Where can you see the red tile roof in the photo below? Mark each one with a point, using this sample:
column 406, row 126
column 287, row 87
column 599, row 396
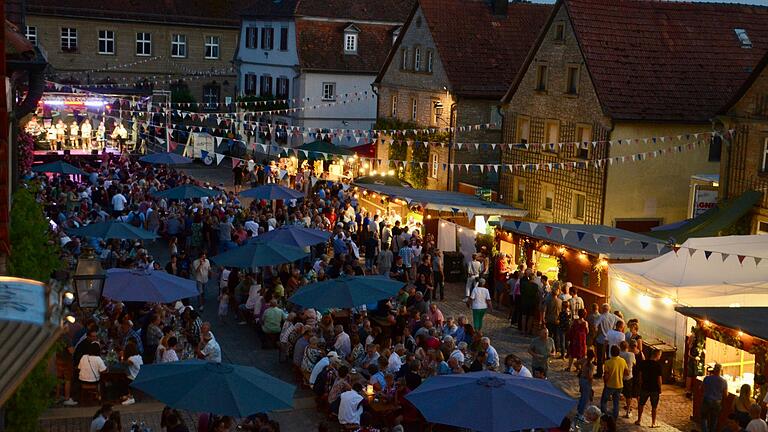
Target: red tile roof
column 220, row 13
column 392, row 11
column 320, row 46
column 482, row 52
column 667, row 61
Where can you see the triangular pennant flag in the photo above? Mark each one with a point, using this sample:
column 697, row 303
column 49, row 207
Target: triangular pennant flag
column 517, row 224
column 611, row 239
column 741, row 258
column 757, row 260
column 548, row 229
column 707, row 254
column 313, row 180
column 675, row 248
column 532, row 226
column 580, row 235
column 235, row 162
column 470, row 215
column 643, row 244
column 203, row 154
column 691, row 251
column 596, row 237
column 219, row 158
column 724, row 256
column 659, row 247
column 564, row 231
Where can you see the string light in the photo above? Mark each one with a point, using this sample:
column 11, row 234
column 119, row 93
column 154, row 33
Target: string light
column 707, row 323
column 667, row 301
column 644, row 302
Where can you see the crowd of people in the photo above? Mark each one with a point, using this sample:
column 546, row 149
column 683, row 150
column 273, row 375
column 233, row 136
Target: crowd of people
column 375, row 352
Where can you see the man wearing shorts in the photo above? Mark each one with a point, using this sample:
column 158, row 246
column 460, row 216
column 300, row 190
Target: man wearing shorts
column 650, row 385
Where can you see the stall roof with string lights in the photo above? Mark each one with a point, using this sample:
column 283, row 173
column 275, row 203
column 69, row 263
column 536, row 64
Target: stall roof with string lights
column 454, row 202
column 600, row 240
column 748, row 320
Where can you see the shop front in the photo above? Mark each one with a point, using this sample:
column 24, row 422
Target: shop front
column 734, row 338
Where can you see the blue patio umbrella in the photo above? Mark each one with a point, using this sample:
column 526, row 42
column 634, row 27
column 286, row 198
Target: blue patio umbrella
column 258, row 253
column 218, row 388
column 187, row 191
column 112, row 230
column 165, row 158
column 271, row 192
column 296, row 235
column 59, row 167
column 346, row 292
column 491, row 402
column 147, row 286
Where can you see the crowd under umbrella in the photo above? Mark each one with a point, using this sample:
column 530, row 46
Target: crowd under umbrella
column 112, row 230
column 346, row 292
column 58, row 167
column 271, row 192
column 486, row 398
column 296, row 236
column 258, row 253
column 217, row 388
column 186, row 191
column 147, row 286
column 165, row 158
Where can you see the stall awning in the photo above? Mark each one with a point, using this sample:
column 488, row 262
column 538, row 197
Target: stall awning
column 613, row 243
column 445, row 201
column 749, row 320
column 22, row 345
column 714, row 221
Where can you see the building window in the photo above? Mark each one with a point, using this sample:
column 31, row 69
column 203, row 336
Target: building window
column 541, row 78
column 572, row 82
column 404, row 59
column 765, row 156
column 68, row 39
column 552, row 133
column 437, row 111
column 266, row 86
column 106, row 42
column 523, row 130
column 518, row 191
column 251, row 37
column 282, row 87
column 179, row 46
column 283, row 38
column 143, row 44
column 417, row 59
column 430, row 60
column 560, row 31
column 31, row 33
column 393, row 109
column 414, row 109
column 249, row 86
column 762, row 227
column 435, row 165
column 579, row 205
column 329, row 91
column 584, row 139
column 211, row 96
column 350, row 43
column 267, row 35
column 547, row 197
column 212, row 47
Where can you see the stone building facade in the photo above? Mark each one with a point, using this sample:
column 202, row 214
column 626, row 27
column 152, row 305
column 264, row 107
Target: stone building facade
column 129, row 43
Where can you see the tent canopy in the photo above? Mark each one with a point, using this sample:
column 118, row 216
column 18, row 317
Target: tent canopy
column 613, row 243
column 750, row 320
column 445, row 201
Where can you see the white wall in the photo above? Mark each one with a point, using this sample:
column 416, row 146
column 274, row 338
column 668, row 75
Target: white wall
column 357, row 114
column 274, row 62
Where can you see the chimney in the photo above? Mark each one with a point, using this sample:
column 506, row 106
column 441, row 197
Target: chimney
column 500, row 7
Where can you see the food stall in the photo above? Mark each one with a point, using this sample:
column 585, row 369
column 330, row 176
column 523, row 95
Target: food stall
column 575, row 253
column 735, row 338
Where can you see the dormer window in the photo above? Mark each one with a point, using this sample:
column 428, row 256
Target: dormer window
column 350, row 39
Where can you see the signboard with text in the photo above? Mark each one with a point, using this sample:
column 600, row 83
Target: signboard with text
column 703, row 200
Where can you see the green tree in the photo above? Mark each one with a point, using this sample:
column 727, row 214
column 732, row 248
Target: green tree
column 34, row 255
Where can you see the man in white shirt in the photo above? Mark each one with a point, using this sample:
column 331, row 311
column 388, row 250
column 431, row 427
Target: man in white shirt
column 252, row 226
column 211, row 350
column 479, row 301
column 756, row 424
column 343, row 344
column 395, row 362
column 576, row 302
column 473, row 273
column 615, row 337
column 459, row 353
column 519, row 369
column 201, row 268
column 321, row 364
column 118, row 204
column 604, row 323
column 351, row 405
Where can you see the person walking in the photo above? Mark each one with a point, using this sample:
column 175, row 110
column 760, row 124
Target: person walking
column 649, row 374
column 586, row 368
column 437, row 274
column 577, row 340
column 541, row 349
column 479, row 301
column 615, row 371
column 715, row 390
column 473, row 274
column 201, row 270
column 604, row 323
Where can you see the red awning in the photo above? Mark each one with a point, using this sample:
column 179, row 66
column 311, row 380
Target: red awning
column 365, row 150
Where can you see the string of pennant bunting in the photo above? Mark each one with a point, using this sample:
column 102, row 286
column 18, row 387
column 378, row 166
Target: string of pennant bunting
column 115, row 67
column 613, row 240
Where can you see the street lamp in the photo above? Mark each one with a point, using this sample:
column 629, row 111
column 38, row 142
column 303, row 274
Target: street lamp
column 88, row 280
column 438, row 109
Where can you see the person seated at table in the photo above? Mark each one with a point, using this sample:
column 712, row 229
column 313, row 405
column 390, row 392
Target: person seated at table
column 351, row 405
column 358, row 350
column 169, row 353
column 133, row 362
column 312, row 354
column 91, row 364
column 127, row 334
column 376, row 373
column 168, row 332
column 209, row 348
column 340, row 385
column 478, row 364
column 371, row 357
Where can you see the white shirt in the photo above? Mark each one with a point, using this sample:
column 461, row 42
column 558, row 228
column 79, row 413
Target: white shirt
column 458, row 355
column 631, row 360
column 394, row 363
column 605, row 323
column 473, row 270
column 480, row 296
column 119, row 202
column 343, row 345
column 134, row 365
column 91, row 368
column 350, row 408
column 253, row 227
column 169, row 355
column 98, row 423
column 224, row 279
column 201, row 268
column 319, row 366
column 614, row 337
column 212, row 351
column 757, row 425
column 523, row 372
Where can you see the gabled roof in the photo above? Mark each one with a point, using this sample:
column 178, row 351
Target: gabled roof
column 664, row 60
column 389, row 11
column 221, row 13
column 481, row 52
column 320, row 46
column 762, row 66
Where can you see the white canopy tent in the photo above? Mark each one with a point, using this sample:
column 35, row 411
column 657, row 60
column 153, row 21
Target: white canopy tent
column 709, row 271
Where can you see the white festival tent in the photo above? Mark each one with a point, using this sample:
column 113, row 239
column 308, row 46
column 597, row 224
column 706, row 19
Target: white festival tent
column 728, row 271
